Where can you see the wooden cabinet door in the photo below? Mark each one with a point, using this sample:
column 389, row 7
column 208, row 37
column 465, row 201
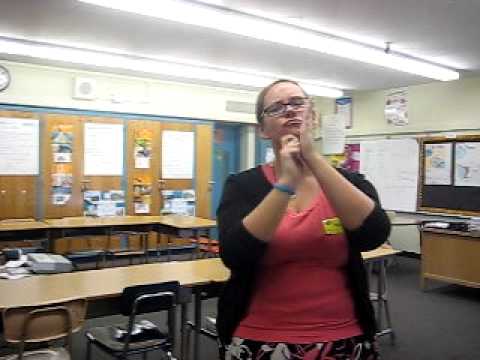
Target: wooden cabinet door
column 69, row 125
column 100, row 182
column 202, row 174
column 138, row 175
column 18, row 197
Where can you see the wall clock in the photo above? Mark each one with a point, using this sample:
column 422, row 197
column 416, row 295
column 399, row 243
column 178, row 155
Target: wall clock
column 4, row 78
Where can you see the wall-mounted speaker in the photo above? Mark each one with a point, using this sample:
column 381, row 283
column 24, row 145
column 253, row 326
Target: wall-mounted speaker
column 84, row 88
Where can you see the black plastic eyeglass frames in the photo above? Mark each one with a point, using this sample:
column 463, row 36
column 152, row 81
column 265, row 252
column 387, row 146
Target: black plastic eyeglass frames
column 280, row 108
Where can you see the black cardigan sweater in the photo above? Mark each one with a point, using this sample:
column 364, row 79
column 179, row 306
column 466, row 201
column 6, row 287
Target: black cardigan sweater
column 242, row 253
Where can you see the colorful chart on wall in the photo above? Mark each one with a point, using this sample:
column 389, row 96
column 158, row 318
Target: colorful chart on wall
column 104, row 203
column 467, row 164
column 438, row 164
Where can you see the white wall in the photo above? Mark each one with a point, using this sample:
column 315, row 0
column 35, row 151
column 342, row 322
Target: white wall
column 53, row 86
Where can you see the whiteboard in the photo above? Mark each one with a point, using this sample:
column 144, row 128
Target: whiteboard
column 19, row 146
column 392, row 167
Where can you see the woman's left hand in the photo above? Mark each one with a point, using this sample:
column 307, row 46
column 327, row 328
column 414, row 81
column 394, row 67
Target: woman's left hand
column 306, row 137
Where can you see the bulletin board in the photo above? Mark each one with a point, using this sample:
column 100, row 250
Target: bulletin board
column 449, row 178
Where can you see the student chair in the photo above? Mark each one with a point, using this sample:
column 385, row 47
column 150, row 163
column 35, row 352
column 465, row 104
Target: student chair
column 36, row 324
column 122, row 340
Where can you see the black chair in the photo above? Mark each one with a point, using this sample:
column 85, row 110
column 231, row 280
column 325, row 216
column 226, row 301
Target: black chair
column 122, row 340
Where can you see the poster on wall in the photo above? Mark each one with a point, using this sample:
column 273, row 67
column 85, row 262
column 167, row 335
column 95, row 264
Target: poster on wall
column 142, row 195
column 19, row 146
column 349, row 160
column 104, row 203
column 61, row 139
column 143, row 148
column 103, row 149
column 467, row 164
column 61, row 183
column 333, row 134
column 396, row 107
column 177, row 154
column 438, row 164
column 180, row 202
column 343, row 108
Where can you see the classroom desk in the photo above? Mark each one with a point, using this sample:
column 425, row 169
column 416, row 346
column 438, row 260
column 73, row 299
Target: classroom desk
column 106, row 226
column 380, row 256
column 404, row 221
column 177, row 225
column 102, row 288
column 450, row 256
column 108, row 283
column 23, row 230
column 186, row 227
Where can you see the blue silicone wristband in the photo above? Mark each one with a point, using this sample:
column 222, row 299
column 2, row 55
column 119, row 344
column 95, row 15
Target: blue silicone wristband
column 284, row 188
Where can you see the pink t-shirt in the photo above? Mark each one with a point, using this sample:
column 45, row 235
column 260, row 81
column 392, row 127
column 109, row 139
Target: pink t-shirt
column 301, row 295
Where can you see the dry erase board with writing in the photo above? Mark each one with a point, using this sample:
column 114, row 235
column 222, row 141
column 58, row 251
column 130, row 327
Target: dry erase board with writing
column 449, row 178
column 391, row 165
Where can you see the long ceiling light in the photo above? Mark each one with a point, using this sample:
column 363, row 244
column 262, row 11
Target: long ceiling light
column 263, row 29
column 151, row 65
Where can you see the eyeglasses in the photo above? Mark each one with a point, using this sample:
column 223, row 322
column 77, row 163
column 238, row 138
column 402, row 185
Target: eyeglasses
column 279, row 108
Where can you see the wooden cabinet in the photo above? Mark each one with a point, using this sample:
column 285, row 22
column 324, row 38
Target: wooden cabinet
column 450, row 256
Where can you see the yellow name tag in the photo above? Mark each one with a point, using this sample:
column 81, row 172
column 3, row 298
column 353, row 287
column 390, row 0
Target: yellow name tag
column 333, row 226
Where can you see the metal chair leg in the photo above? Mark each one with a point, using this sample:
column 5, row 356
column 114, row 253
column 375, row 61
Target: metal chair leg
column 89, row 350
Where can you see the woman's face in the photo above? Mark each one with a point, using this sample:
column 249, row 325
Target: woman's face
column 279, row 118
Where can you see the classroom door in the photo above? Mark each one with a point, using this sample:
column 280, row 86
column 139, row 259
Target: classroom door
column 226, row 158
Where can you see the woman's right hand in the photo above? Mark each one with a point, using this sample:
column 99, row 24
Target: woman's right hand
column 290, row 161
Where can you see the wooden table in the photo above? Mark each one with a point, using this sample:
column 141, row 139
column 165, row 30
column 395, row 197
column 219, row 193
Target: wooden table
column 450, row 256
column 102, row 288
column 106, row 283
column 185, row 227
column 106, row 226
column 23, row 230
column 380, row 256
column 177, row 225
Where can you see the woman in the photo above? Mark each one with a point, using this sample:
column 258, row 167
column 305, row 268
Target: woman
column 291, row 233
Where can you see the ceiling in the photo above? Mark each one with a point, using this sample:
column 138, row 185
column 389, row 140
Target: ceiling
column 442, row 31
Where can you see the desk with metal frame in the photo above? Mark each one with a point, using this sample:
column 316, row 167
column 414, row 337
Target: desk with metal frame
column 380, row 256
column 106, row 226
column 102, row 288
column 12, row 231
column 185, row 227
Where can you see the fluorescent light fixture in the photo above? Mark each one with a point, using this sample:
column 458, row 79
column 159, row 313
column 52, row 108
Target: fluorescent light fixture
column 281, row 33
column 152, row 65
